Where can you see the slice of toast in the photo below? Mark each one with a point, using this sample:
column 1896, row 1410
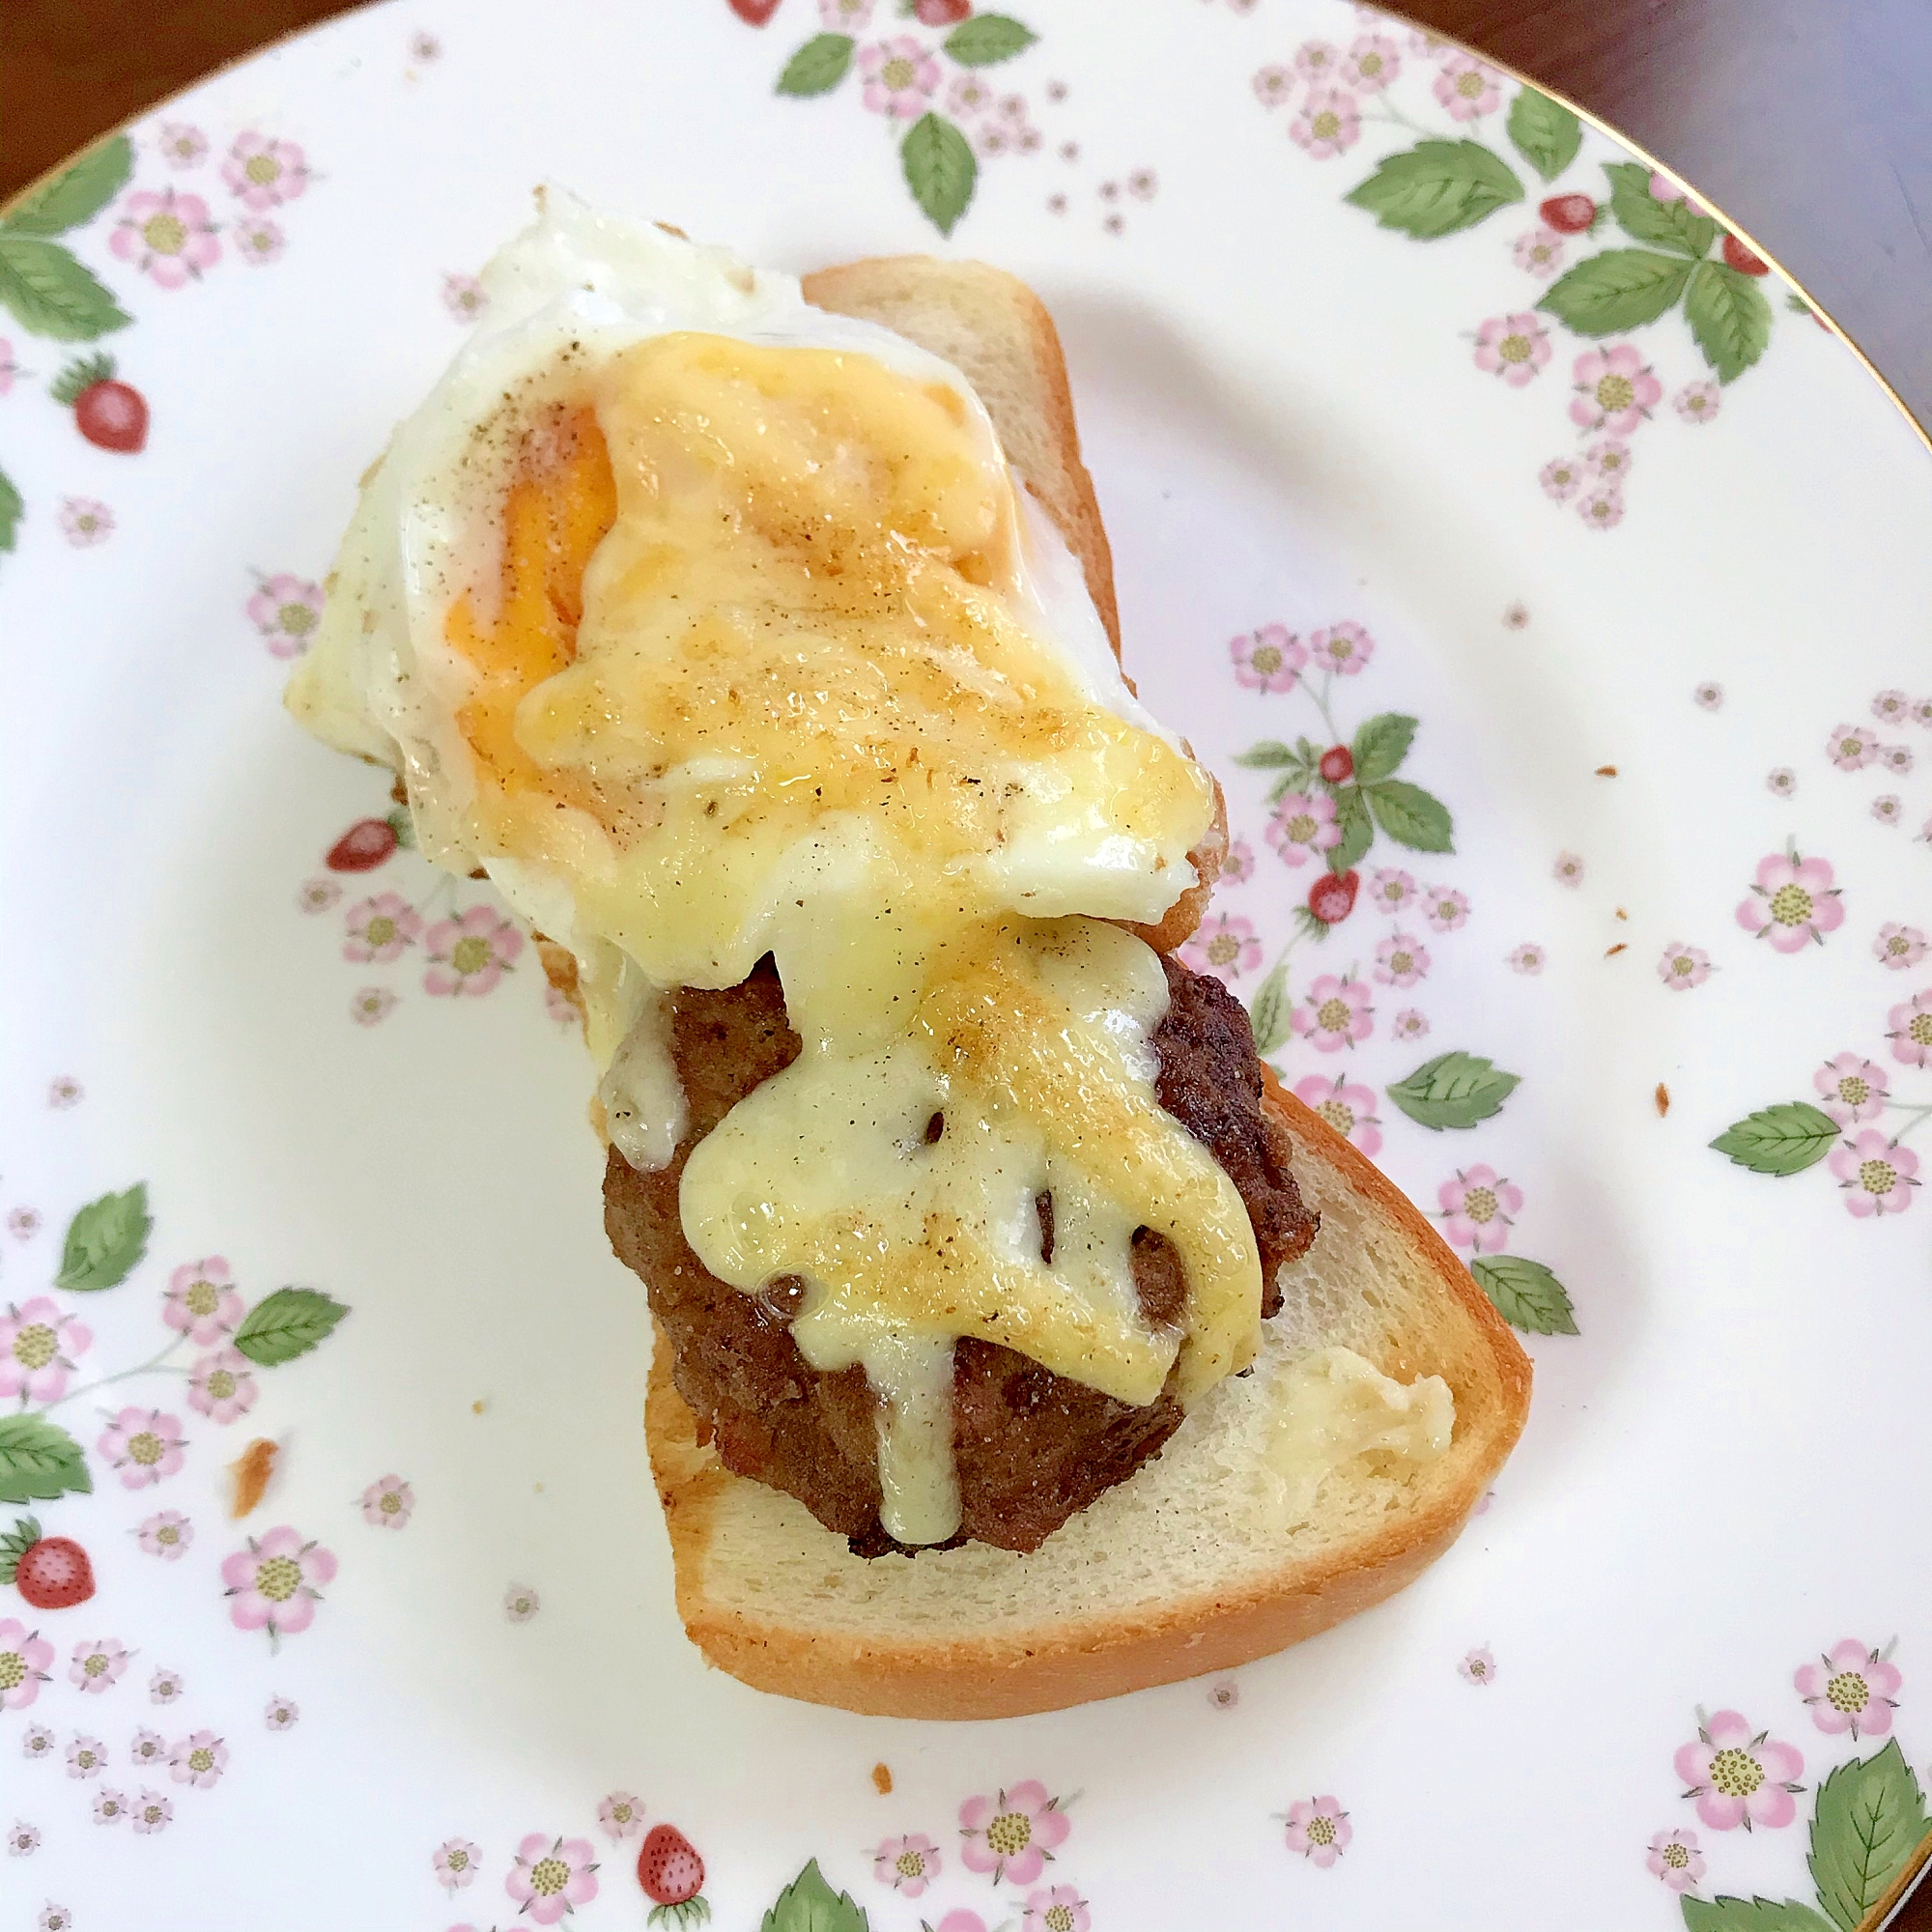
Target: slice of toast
column 1197, row 1563
column 1204, row 1558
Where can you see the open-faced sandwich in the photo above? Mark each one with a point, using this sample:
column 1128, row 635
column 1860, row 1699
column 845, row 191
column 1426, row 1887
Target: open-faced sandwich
column 1020, row 1341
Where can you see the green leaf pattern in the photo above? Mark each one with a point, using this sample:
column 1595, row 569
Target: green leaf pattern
column 1729, row 316
column 817, row 66
column 1454, row 1090
column 1438, row 189
column 1870, row 1818
column 1659, row 224
column 40, row 1460
column 809, row 1904
column 1782, row 1139
column 1619, row 290
column 43, row 286
column 1545, row 133
column 287, row 1323
column 106, row 1242
column 940, row 169
column 77, row 194
column 1526, row 1295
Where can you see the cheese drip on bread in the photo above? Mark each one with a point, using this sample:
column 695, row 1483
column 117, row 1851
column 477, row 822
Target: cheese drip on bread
column 761, row 650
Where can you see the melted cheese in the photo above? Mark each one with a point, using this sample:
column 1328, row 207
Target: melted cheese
column 767, row 656
column 1336, row 1406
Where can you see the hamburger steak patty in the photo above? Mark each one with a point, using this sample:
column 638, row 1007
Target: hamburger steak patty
column 1030, row 1446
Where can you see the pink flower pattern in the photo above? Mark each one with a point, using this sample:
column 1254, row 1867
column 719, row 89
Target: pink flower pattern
column 275, row 1583
column 381, row 928
column 151, row 1811
column 1539, row 252
column 1343, row 648
column 621, row 1815
column 1898, row 947
column 1467, row 89
column 1374, row 61
column 1478, row 1207
column 1267, row 660
column 1739, row 1776
column 1058, row 1908
column 899, row 77
column 454, row 1863
column 1408, row 1024
column 221, row 1387
column 472, row 952
column 1347, row 1107
column 1794, row 903
column 262, row 173
column 1478, row 1668
column 166, row 1534
column 1851, row 747
column 1330, row 123
column 1273, row 85
column 1318, row 1829
column 1316, row 61
column 258, row 240
column 24, row 1657
column 463, row 298
column 1561, row 478
column 168, row 236
column 202, row 1301
column 388, row 1503
column 1401, row 960
column 1012, row 1835
column 1615, row 391
column 95, row 1668
column 370, row 1006
column 1528, row 958
column 1336, row 1013
column 551, row 1876
column 1698, row 403
column 1390, row 888
column 180, row 145
column 907, row 1864
column 1850, row 1689
column 40, row 1343
column 1681, row 967
column 1445, row 908
column 1875, row 1175
column 84, row 521
column 1853, row 1089
column 198, row 1760
column 1675, row 1858
column 1909, row 1025
column 285, row 610
column 1303, row 823
column 143, row 1445
column 1224, row 946
column 1602, row 508
column 1515, row 346
column 1239, row 864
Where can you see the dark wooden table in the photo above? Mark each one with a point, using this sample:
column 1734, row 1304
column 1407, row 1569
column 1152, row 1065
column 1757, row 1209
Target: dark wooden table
column 1807, row 122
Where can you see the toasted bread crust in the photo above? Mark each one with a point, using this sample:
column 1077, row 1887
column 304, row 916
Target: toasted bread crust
column 976, row 1674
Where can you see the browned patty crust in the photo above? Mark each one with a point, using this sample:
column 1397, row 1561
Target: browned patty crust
column 1031, row 1447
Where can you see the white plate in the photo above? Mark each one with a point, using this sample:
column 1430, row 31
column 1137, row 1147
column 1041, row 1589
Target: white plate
column 1297, row 419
